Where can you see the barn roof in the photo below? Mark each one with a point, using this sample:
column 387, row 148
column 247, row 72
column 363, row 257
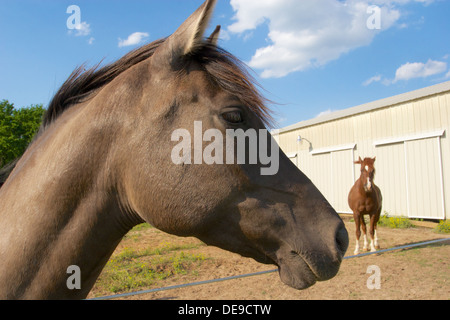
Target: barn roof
column 405, row 97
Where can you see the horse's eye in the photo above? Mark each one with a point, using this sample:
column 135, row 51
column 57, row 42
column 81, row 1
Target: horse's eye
column 234, row 117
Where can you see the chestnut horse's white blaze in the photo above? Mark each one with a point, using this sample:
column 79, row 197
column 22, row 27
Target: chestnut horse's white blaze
column 101, row 164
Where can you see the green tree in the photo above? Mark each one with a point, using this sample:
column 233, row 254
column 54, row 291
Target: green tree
column 17, row 129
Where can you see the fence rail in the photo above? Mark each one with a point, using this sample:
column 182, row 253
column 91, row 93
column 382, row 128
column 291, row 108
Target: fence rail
column 130, row 294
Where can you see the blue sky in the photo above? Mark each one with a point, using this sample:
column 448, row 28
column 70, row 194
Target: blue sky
column 310, row 56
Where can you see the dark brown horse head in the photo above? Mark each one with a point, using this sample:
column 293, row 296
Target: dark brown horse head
column 173, row 134
column 367, row 172
column 202, row 95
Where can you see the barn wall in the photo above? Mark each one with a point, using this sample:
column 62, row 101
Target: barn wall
column 409, row 139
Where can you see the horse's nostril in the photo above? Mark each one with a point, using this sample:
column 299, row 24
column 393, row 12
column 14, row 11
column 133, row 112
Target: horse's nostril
column 342, row 240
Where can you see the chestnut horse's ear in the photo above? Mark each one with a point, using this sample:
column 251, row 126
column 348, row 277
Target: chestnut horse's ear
column 214, row 37
column 187, row 38
column 360, row 161
column 374, row 159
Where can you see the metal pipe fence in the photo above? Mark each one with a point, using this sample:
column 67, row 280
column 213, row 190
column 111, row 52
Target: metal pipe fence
column 130, row 294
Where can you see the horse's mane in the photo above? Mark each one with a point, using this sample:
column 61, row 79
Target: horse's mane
column 82, row 83
column 225, row 69
column 228, row 72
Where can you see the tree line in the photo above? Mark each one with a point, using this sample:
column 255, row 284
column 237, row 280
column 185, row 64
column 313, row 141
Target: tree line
column 17, row 129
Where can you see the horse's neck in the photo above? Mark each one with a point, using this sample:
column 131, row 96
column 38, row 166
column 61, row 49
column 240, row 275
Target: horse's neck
column 36, row 254
column 362, row 191
column 55, row 214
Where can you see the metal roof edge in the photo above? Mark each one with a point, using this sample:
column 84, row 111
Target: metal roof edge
column 378, row 104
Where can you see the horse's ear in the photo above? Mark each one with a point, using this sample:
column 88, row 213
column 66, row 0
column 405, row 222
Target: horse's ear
column 187, row 38
column 360, row 161
column 214, row 37
column 374, row 159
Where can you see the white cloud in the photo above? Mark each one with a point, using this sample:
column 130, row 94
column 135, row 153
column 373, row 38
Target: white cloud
column 281, row 120
column 419, row 70
column 376, row 78
column 83, row 29
column 425, row 2
column 447, row 76
column 133, row 39
column 412, row 70
column 325, row 113
column 400, row 2
column 310, row 33
column 91, row 40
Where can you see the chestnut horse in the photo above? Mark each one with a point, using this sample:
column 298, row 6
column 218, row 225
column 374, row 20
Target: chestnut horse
column 102, row 163
column 365, row 199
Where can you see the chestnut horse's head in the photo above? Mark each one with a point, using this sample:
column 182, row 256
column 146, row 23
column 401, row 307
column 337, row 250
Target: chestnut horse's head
column 367, row 172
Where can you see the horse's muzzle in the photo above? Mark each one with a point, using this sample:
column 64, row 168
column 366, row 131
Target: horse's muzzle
column 301, row 270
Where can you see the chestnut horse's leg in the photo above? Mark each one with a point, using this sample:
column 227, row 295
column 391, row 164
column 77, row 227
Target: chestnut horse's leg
column 364, row 229
column 373, row 232
column 377, row 246
column 376, row 218
column 356, row 217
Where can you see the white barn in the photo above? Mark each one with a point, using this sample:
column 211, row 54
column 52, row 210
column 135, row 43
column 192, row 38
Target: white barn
column 407, row 133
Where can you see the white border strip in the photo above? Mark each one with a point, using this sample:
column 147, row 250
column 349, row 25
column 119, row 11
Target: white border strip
column 333, row 149
column 291, row 155
column 441, row 171
column 413, row 137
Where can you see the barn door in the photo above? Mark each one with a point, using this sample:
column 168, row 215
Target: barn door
column 342, row 179
column 410, row 172
column 332, row 171
column 424, row 174
column 320, row 174
column 390, row 177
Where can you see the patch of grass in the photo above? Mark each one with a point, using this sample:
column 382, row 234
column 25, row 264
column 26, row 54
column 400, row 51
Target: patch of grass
column 141, row 227
column 135, row 233
column 135, row 267
column 443, row 227
column 132, row 270
column 395, row 222
column 391, row 222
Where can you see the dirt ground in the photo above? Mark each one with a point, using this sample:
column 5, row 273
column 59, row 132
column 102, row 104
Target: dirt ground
column 420, row 273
